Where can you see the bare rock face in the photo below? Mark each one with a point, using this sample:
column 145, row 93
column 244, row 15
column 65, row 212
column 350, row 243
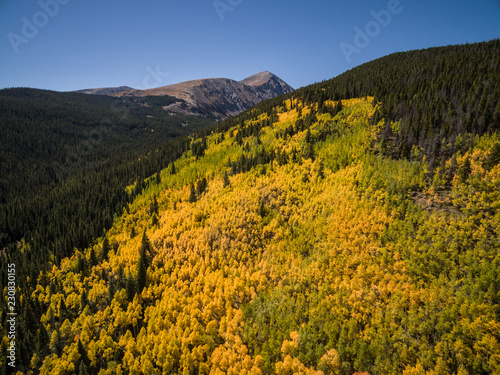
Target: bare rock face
column 268, row 84
column 217, row 97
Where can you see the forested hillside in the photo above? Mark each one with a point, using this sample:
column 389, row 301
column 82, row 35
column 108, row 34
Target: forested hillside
column 66, row 159
column 288, row 247
column 350, row 226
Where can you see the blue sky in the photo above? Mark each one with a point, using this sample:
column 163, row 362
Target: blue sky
column 74, row 44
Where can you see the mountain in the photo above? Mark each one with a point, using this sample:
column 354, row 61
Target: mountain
column 351, row 226
column 218, row 98
column 105, row 90
column 268, row 84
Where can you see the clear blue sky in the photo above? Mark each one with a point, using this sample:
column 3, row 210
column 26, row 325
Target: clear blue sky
column 75, row 44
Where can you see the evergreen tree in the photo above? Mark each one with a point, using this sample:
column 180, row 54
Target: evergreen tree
column 83, row 300
column 105, row 248
column 42, row 340
column 494, row 156
column 308, row 135
column 321, row 170
column 82, row 369
column 145, row 248
column 465, row 170
column 154, row 220
column 84, row 359
column 141, row 272
column 172, row 169
column 93, row 258
column 63, row 310
column 157, row 178
column 226, row 181
column 201, row 186
column 153, row 209
column 131, row 288
column 192, row 194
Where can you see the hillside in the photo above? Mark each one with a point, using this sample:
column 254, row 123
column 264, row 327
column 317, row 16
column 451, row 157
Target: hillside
column 311, row 234
column 289, row 246
column 66, row 159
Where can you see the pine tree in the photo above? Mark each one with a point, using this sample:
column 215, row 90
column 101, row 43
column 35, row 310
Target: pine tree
column 338, row 107
column 465, row 170
column 42, row 340
column 105, row 248
column 82, row 369
column 93, row 259
column 172, row 169
column 494, row 157
column 192, row 194
column 83, row 300
column 84, row 359
column 63, row 310
column 141, row 272
column 201, row 186
column 131, row 288
column 153, row 209
column 308, row 135
column 145, row 248
column 226, row 181
column 321, row 170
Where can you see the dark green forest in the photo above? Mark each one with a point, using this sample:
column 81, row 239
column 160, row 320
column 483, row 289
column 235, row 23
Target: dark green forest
column 72, row 154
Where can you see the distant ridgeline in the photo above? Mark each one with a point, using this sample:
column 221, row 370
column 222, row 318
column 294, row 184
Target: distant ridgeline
column 350, row 226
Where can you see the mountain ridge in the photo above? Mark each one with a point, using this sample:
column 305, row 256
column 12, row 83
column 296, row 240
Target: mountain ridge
column 104, row 90
column 219, row 98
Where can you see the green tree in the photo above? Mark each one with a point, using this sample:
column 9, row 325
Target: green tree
column 172, row 169
column 105, row 248
column 93, row 258
column 465, row 170
column 131, row 288
column 84, row 359
column 141, row 273
column 226, row 181
column 153, row 209
column 192, row 194
column 83, row 300
column 494, row 156
column 201, row 186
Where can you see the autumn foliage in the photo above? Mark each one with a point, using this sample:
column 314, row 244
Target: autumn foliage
column 289, row 244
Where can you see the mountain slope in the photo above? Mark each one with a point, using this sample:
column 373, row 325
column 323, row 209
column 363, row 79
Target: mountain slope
column 218, row 97
column 283, row 247
column 69, row 150
column 299, row 237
